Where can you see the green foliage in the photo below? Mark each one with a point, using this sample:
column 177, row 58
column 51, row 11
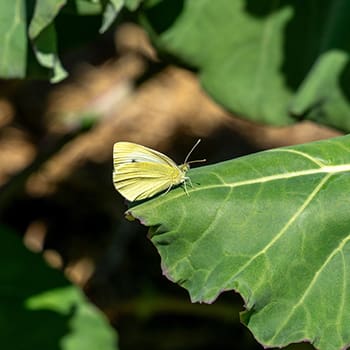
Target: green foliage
column 29, row 37
column 273, row 226
column 39, row 309
column 270, row 61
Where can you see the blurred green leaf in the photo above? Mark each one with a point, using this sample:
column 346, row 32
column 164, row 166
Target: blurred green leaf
column 33, row 24
column 273, row 226
column 269, row 61
column 43, row 35
column 320, row 96
column 13, row 41
column 111, row 11
column 132, row 5
column 39, row 309
column 45, row 12
column 86, row 7
column 45, row 49
column 85, row 320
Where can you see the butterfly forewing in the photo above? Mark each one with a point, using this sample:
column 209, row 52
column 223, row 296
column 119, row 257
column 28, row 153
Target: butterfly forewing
column 128, row 152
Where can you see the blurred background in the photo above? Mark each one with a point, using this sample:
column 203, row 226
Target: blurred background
column 57, row 193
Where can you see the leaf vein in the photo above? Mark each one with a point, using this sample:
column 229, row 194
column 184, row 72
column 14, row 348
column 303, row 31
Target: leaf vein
column 312, row 283
column 208, row 229
column 305, row 155
column 284, row 229
column 342, row 298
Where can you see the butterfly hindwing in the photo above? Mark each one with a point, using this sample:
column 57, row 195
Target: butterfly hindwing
column 138, row 188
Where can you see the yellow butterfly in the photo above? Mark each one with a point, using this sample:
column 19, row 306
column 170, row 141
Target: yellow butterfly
column 141, row 172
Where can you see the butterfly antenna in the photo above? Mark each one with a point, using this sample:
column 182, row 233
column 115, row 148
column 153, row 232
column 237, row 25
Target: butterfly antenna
column 192, row 149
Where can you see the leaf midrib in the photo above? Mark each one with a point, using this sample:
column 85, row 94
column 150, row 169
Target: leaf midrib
column 326, row 169
column 330, row 169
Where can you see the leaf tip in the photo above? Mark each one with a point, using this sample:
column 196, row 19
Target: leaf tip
column 130, row 216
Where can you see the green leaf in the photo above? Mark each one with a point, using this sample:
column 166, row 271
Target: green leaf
column 43, row 35
column 86, row 7
column 111, row 11
column 320, row 96
column 44, row 13
column 13, row 42
column 83, row 323
column 132, row 5
column 269, row 61
column 45, row 49
column 41, row 306
column 273, row 226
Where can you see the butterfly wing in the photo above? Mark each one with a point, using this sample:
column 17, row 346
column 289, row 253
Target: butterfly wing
column 128, row 152
column 141, row 181
column 140, row 172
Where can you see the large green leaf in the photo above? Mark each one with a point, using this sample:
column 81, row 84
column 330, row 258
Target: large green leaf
column 269, row 61
column 39, row 309
column 273, row 226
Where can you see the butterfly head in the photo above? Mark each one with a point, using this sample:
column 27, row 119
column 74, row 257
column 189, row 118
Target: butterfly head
column 184, row 167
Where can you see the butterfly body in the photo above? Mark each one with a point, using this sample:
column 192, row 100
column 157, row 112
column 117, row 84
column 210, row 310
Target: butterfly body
column 141, row 172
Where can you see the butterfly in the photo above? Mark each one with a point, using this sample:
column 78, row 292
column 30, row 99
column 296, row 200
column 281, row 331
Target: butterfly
column 141, row 172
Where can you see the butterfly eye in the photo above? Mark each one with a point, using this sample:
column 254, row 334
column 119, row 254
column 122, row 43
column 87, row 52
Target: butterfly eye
column 184, row 167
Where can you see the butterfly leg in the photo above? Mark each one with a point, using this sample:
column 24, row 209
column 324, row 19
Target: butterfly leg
column 185, row 186
column 189, row 180
column 168, row 189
